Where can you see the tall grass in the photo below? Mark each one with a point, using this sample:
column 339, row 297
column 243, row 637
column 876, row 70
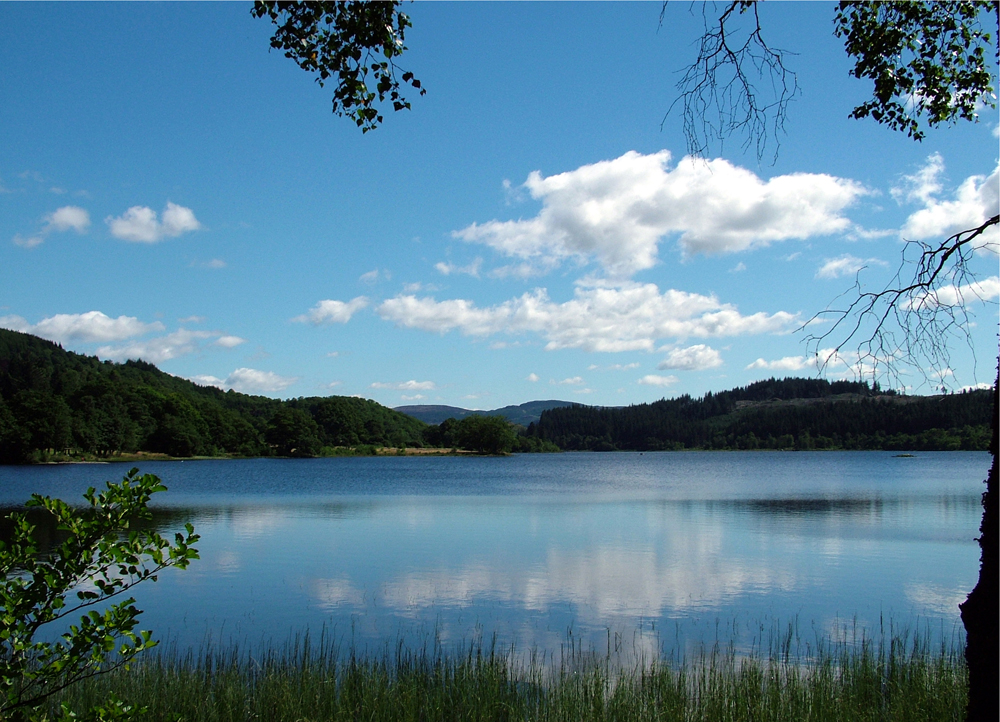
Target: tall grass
column 899, row 678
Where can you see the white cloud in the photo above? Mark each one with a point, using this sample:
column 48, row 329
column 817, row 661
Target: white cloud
column 613, row 367
column 139, row 223
column 738, row 268
column 92, row 326
column 374, row 275
column 411, row 385
column 66, row 218
column 574, row 381
column 848, row 363
column 692, row 358
column 923, row 185
column 448, row 269
column 157, row 350
column 192, row 319
column 61, row 219
column 975, row 200
column 333, row 311
column 253, row 381
column 532, row 377
column 845, row 265
column 655, row 380
column 625, row 318
column 249, row 381
column 414, row 397
column 214, row 263
column 617, row 211
column 29, row 242
column 984, row 290
column 788, row 363
column 229, row 341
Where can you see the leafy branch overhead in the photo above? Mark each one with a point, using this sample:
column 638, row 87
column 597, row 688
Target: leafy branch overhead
column 354, row 44
column 927, row 60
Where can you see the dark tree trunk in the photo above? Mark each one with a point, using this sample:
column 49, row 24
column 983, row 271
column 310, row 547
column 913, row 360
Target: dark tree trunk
column 981, row 611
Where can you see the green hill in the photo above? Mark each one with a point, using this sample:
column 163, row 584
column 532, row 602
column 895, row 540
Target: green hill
column 779, row 414
column 54, row 401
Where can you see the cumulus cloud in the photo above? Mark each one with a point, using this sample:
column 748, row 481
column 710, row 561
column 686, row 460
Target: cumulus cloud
column 447, row 269
column 229, row 341
column 411, row 385
column 617, row 211
column 332, row 311
column 951, row 295
column 248, row 381
column 613, row 367
column 29, row 242
column 60, row 220
column 375, row 275
column 787, row 363
column 532, row 377
column 139, row 224
column 692, row 358
column 975, row 200
column 845, row 265
column 599, row 318
column 92, row 326
column 656, row 380
column 157, row 350
column 66, row 218
column 843, row 362
column 574, row 381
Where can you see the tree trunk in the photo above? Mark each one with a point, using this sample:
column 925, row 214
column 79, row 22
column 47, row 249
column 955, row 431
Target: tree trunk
column 981, row 611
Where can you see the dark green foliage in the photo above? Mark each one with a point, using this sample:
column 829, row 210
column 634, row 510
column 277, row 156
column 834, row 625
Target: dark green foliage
column 57, row 402
column 102, row 554
column 925, row 59
column 787, row 414
column 482, row 434
column 347, row 421
column 485, row 434
column 345, row 42
column 292, row 432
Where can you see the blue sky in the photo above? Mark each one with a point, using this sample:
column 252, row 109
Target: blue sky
column 172, row 190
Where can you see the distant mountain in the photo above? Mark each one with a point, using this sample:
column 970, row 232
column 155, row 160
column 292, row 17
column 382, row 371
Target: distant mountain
column 523, row 414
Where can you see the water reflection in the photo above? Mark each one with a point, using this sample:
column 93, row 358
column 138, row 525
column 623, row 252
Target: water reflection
column 519, row 551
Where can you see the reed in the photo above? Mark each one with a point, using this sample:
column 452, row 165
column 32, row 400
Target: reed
column 903, row 677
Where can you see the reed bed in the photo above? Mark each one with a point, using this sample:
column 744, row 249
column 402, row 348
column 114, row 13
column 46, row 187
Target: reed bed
column 896, row 679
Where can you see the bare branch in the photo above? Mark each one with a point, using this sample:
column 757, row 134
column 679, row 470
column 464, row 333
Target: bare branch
column 908, row 323
column 719, row 95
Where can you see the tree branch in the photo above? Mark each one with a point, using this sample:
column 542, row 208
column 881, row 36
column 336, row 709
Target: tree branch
column 908, row 323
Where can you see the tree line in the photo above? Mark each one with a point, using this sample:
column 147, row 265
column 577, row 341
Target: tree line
column 56, row 403
column 790, row 413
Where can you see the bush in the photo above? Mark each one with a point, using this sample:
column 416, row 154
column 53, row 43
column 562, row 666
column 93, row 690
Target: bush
column 101, row 557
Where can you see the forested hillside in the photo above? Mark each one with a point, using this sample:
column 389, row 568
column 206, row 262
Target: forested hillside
column 56, row 401
column 779, row 414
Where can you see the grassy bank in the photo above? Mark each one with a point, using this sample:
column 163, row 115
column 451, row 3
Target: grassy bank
column 904, row 679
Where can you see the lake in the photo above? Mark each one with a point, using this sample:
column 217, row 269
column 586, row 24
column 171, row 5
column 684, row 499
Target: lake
column 651, row 553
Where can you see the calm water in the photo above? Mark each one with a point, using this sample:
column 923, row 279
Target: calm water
column 657, row 550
